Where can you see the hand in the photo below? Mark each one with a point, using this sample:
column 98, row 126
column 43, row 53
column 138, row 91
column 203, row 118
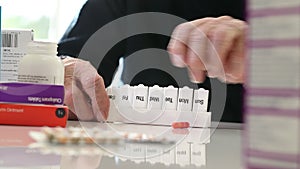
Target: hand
column 85, row 93
column 213, row 47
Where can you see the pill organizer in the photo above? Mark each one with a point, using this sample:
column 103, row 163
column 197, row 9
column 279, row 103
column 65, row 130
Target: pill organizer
column 159, row 105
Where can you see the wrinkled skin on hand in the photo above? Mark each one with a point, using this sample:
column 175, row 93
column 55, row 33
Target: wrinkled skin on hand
column 213, row 47
column 85, row 93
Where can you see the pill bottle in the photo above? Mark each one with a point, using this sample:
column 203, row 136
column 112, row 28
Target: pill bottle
column 41, row 65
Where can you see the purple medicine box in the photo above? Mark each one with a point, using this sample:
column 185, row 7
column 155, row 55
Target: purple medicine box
column 31, row 93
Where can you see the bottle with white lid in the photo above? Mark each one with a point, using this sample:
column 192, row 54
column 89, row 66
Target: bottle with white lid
column 41, row 65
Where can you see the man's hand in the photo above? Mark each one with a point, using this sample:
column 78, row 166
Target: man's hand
column 85, row 93
column 213, row 47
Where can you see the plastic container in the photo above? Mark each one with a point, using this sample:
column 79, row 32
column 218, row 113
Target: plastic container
column 41, row 65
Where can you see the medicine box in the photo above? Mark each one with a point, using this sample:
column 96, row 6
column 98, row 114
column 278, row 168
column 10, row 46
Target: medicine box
column 13, row 48
column 33, row 115
column 30, row 93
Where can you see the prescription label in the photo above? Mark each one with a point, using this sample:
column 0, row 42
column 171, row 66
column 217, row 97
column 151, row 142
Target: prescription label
column 13, row 48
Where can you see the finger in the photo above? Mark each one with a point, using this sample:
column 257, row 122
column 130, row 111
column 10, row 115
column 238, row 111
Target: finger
column 75, row 99
column 237, row 60
column 177, row 46
column 101, row 102
column 196, row 75
column 197, row 56
column 79, row 110
column 235, row 67
column 234, row 55
column 223, row 38
column 68, row 86
column 213, row 64
column 94, row 87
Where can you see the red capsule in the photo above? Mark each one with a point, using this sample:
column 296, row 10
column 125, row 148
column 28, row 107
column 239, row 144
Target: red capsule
column 177, row 125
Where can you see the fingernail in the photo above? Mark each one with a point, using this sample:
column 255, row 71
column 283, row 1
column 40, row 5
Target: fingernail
column 212, row 74
column 177, row 60
column 193, row 78
column 195, row 81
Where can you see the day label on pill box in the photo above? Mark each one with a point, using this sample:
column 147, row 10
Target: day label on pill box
column 140, row 95
column 124, row 96
column 170, row 98
column 200, row 100
column 185, row 99
column 156, row 95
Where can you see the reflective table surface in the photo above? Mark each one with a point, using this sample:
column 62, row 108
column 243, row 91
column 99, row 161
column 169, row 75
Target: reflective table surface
column 204, row 148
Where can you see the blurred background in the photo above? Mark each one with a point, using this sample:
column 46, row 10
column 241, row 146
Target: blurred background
column 48, row 18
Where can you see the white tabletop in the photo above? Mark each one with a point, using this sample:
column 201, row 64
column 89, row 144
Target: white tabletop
column 194, row 148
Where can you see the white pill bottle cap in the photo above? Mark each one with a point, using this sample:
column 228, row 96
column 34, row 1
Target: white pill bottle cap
column 42, row 47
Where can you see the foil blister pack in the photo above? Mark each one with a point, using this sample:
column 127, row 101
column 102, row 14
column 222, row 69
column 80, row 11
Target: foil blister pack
column 92, row 136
